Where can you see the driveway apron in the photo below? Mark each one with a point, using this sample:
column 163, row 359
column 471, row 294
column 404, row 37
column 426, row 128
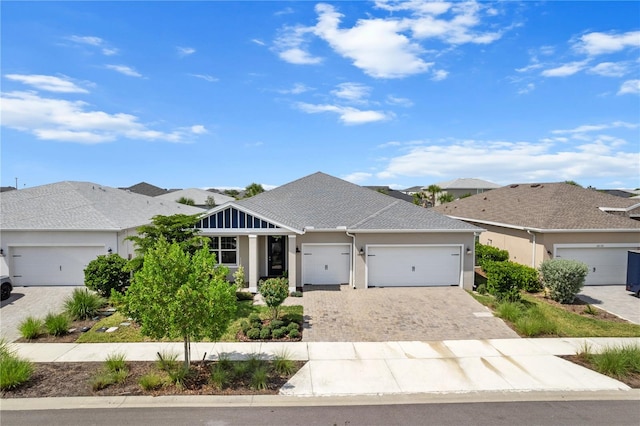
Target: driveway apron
column 614, row 299
column 343, row 314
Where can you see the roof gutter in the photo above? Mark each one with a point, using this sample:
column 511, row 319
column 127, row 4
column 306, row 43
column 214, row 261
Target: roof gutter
column 543, row 230
column 533, row 248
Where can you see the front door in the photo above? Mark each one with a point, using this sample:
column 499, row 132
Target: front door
column 276, row 252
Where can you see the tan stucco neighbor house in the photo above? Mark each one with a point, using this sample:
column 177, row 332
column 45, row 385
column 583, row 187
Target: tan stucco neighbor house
column 321, row 230
column 535, row 222
column 49, row 233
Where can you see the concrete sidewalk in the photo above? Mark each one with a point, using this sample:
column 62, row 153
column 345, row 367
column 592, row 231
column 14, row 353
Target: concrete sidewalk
column 386, row 368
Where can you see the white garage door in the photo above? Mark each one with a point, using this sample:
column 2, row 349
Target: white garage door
column 326, row 263
column 607, row 265
column 51, row 265
column 405, row 266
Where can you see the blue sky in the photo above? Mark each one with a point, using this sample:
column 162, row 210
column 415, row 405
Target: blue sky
column 223, row 94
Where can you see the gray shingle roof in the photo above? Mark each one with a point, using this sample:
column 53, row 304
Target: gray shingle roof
column 145, row 188
column 199, row 196
column 81, row 206
column 326, row 202
column 467, row 183
column 543, row 206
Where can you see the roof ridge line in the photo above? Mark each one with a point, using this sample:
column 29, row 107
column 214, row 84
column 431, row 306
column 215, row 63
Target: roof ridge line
column 377, row 213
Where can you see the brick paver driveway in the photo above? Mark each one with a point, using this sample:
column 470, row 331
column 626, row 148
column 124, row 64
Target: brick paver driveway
column 342, row 314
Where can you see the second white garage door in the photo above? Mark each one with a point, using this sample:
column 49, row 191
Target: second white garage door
column 413, row 266
column 326, row 263
column 52, row 266
column 607, row 265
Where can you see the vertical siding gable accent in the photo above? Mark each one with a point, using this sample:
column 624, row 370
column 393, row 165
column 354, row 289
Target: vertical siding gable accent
column 232, row 218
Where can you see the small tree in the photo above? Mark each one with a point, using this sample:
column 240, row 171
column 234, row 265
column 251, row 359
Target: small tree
column 274, row 291
column 210, row 202
column 563, row 278
column 253, row 189
column 433, row 190
column 445, row 198
column 106, row 273
column 177, row 228
column 187, row 201
column 176, row 295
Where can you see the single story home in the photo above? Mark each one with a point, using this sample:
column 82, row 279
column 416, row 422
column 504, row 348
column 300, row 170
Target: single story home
column 321, row 230
column 463, row 187
column 540, row 221
column 49, row 233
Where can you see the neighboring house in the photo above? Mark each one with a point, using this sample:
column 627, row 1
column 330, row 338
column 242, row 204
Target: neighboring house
column 465, row 186
column 619, row 192
column 412, row 190
column 49, row 233
column 392, row 193
column 322, row 230
column 199, row 196
column 535, row 222
column 7, row 188
column 147, row 189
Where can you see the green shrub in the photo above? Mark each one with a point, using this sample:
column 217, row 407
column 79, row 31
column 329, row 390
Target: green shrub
column 220, row 377
column 166, row 361
column 283, row 364
column 502, row 280
column 30, row 328
column 534, row 323
column 238, row 279
column 56, row 324
column 105, row 273
column 102, row 380
column 293, row 326
column 276, row 324
column 294, row 334
column 510, row 311
column 243, row 295
column 274, row 291
column 178, row 374
column 82, row 304
column 563, row 278
column 279, row 333
column 116, row 362
column 151, row 381
column 259, row 378
column 240, row 368
column 255, row 319
column 486, row 253
column 265, row 333
column 296, row 294
column 253, row 333
column 14, row 371
column 245, row 326
column 528, row 277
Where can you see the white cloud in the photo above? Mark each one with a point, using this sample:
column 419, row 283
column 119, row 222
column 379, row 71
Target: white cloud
column 198, row 129
column 630, row 87
column 565, row 70
column 348, row 115
column 586, row 128
column 48, row 82
column 352, row 92
column 439, row 75
column 74, row 121
column 205, row 77
column 185, row 51
column 374, row 45
column 610, row 69
column 291, row 44
column 357, row 177
column 297, row 89
column 258, row 42
column 512, row 162
column 598, row 43
column 394, row 100
column 123, row 69
column 527, row 89
column 418, row 6
column 96, row 42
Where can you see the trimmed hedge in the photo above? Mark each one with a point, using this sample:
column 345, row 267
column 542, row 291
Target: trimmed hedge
column 489, row 254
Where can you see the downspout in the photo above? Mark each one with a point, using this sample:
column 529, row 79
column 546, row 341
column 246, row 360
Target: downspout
column 353, row 260
column 533, row 248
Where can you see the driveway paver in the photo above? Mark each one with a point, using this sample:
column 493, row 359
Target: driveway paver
column 614, row 299
column 343, row 314
column 30, row 301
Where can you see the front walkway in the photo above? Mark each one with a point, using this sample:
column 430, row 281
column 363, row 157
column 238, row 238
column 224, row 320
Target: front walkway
column 342, row 314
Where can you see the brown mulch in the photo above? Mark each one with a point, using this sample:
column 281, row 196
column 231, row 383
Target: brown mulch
column 67, row 379
column 580, row 307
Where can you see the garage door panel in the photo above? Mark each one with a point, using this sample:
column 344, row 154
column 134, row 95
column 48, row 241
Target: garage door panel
column 326, row 264
column 52, row 265
column 607, row 265
column 413, row 266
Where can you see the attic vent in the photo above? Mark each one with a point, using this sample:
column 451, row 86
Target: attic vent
column 514, row 186
column 535, row 185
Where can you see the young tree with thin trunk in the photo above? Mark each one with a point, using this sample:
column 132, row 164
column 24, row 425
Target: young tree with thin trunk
column 178, row 295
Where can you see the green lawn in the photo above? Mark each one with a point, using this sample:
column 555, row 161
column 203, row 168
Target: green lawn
column 563, row 322
column 132, row 334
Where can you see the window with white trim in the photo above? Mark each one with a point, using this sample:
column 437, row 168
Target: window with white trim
column 225, row 249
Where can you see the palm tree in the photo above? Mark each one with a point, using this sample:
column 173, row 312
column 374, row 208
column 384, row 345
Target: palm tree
column 433, row 190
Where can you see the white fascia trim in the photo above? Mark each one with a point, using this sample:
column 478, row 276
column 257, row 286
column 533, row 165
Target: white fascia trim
column 546, row 231
column 416, row 231
column 228, row 204
column 619, row 209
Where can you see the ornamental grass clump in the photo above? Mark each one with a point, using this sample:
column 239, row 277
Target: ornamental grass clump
column 82, row 304
column 563, row 278
column 30, row 328
column 56, row 324
column 14, row 371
